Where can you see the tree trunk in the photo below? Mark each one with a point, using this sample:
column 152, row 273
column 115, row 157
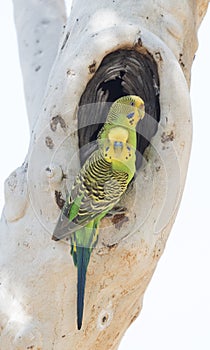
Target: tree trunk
column 60, row 59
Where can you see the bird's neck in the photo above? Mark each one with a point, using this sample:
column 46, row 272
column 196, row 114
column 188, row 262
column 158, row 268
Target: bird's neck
column 132, row 138
column 125, row 166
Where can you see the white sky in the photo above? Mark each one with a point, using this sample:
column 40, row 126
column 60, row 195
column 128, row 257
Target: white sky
column 176, row 312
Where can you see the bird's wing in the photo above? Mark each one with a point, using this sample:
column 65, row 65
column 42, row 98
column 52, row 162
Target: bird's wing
column 96, row 190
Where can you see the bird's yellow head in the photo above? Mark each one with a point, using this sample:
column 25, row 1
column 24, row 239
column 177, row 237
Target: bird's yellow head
column 116, row 147
column 127, row 111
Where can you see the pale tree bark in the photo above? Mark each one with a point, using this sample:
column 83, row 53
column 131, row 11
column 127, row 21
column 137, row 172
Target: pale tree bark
column 37, row 276
column 39, row 27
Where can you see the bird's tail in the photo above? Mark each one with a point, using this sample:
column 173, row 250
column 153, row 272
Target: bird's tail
column 83, row 242
column 83, row 257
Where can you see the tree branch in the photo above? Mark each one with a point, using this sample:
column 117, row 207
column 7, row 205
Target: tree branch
column 37, row 275
column 39, row 24
column 201, row 7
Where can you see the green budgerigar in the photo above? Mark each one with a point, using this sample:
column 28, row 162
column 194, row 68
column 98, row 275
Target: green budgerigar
column 98, row 187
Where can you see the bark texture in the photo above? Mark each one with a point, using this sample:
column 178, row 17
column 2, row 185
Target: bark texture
column 39, row 24
column 37, row 276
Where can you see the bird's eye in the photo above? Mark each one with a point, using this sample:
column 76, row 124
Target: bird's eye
column 132, row 103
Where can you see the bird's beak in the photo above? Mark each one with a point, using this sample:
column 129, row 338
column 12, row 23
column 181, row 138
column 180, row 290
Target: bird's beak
column 118, row 147
column 141, row 110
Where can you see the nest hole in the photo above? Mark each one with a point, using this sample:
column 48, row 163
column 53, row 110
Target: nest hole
column 122, row 72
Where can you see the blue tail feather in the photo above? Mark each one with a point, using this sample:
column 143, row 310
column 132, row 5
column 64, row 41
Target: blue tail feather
column 83, row 257
column 81, row 250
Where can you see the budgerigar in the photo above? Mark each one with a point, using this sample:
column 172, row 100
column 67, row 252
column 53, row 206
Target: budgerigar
column 99, row 186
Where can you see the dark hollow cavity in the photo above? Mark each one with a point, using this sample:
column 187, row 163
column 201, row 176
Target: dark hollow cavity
column 122, row 72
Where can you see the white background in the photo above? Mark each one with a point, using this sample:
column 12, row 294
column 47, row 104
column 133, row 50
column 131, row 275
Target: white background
column 176, row 312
